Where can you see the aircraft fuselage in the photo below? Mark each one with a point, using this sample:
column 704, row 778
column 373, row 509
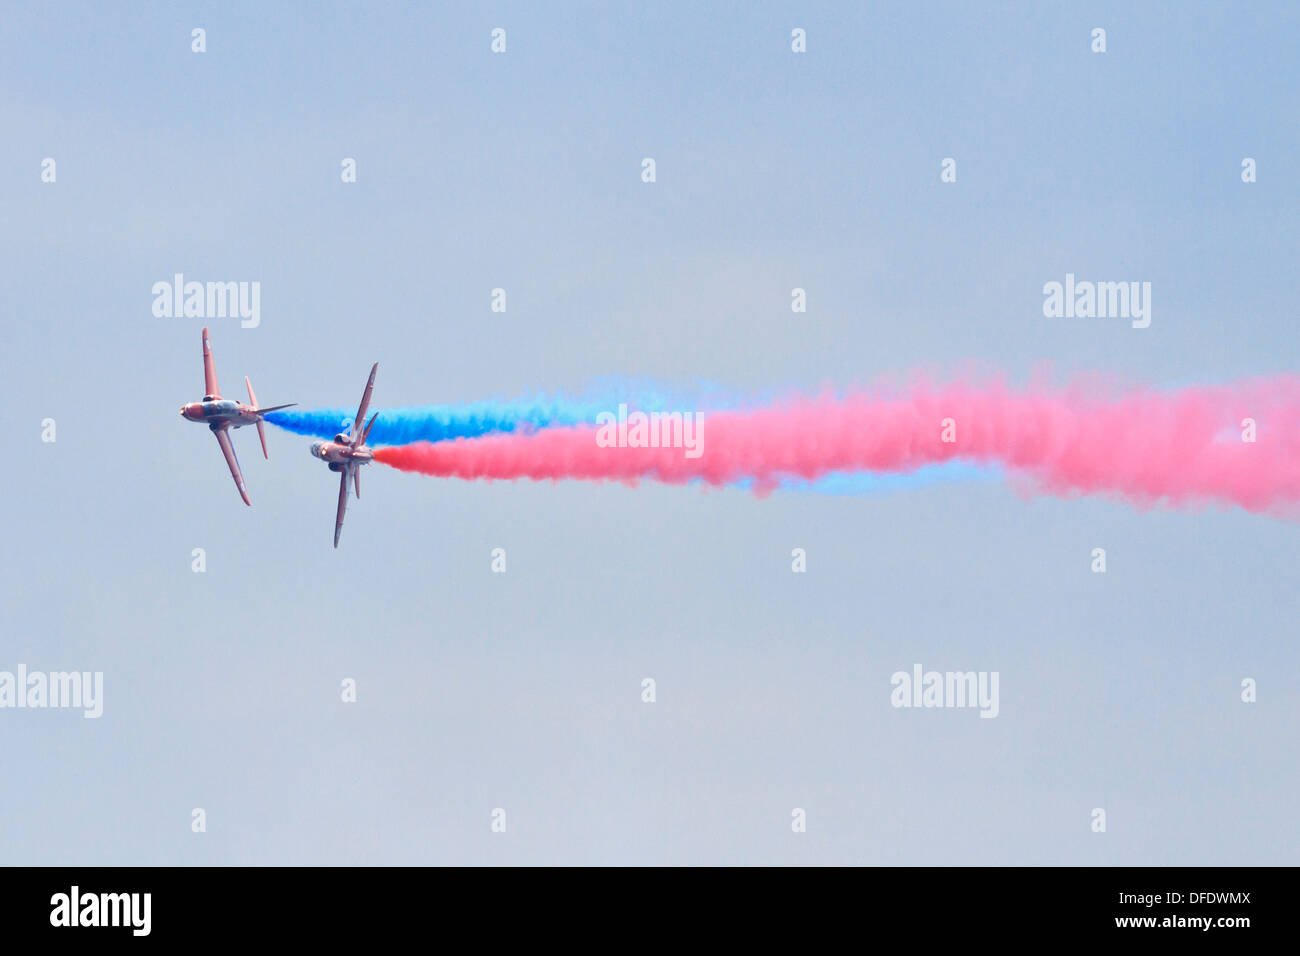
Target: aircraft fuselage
column 337, row 453
column 214, row 411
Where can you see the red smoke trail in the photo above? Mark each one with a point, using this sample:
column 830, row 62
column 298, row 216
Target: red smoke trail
column 1182, row 447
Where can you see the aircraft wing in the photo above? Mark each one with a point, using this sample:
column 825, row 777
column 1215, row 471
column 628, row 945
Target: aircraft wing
column 210, row 386
column 227, row 449
column 365, row 405
column 343, row 505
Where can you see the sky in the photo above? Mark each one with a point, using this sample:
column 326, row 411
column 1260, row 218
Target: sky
column 522, row 691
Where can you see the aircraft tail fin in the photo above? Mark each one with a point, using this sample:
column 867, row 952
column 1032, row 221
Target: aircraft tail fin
column 366, row 434
column 261, row 430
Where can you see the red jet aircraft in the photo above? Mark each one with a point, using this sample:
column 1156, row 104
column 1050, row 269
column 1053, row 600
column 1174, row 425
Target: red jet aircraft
column 222, row 414
column 348, row 452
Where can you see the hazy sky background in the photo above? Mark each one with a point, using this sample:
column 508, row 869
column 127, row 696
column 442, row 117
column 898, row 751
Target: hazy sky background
column 522, row 691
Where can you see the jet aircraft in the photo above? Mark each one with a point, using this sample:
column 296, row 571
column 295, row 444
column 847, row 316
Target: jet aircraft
column 222, row 414
column 348, row 452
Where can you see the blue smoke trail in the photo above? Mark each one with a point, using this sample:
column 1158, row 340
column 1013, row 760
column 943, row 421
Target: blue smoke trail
column 858, row 483
column 401, row 426
column 880, row 483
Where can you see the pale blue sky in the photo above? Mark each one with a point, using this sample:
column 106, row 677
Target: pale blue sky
column 521, row 690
